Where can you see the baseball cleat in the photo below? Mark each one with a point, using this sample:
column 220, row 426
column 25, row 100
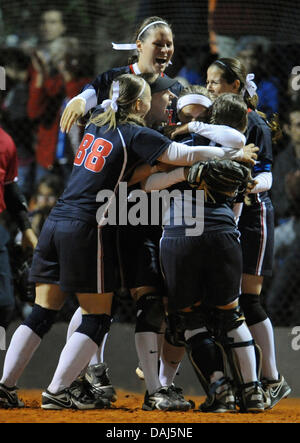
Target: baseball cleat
column 275, row 390
column 97, row 377
column 251, row 398
column 75, row 397
column 161, row 400
column 9, row 398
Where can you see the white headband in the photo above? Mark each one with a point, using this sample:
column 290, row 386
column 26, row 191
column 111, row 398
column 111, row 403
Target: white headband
column 132, row 46
column 193, row 99
column 250, row 86
column 112, row 103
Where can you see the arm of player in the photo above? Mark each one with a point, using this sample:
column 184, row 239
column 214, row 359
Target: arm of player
column 221, row 134
column 263, row 182
column 183, row 155
column 162, row 180
column 78, row 107
column 142, row 172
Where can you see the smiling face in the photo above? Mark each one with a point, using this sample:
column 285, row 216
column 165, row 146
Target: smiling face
column 217, row 85
column 156, row 50
column 158, row 113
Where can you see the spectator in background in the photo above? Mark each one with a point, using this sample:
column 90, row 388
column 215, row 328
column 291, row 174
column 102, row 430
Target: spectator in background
column 52, row 85
column 287, row 160
column 44, row 199
column 14, row 114
column 52, row 30
column 13, row 202
column 283, row 297
column 253, row 53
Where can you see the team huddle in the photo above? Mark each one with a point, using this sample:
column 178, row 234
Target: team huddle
column 196, row 276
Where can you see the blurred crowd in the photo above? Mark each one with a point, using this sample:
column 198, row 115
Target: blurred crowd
column 41, row 77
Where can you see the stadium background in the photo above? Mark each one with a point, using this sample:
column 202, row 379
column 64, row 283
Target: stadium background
column 270, row 29
column 273, row 26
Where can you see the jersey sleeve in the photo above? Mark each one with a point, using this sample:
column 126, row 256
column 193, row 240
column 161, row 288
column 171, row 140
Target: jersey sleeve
column 102, row 82
column 149, row 144
column 260, row 134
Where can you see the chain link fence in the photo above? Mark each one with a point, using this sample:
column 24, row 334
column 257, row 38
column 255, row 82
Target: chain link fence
column 49, row 51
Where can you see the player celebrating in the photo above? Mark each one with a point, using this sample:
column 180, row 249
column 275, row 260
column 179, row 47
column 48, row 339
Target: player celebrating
column 256, row 222
column 73, row 239
column 154, row 46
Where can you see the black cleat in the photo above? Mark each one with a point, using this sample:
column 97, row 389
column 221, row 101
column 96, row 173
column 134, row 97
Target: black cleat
column 9, row 398
column 219, row 402
column 275, row 390
column 251, row 398
column 77, row 396
column 176, row 394
column 161, row 400
column 97, row 377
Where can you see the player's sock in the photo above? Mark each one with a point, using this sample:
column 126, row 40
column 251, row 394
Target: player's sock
column 73, row 325
column 74, row 322
column 263, row 335
column 79, row 350
column 98, row 357
column 170, row 361
column 147, row 351
column 246, row 354
column 73, row 358
column 262, row 332
column 23, row 344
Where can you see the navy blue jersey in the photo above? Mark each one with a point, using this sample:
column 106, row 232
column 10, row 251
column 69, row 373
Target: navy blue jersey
column 100, row 163
column 217, row 216
column 103, row 81
column 259, row 133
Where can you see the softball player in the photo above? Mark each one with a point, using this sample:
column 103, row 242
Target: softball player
column 154, row 47
column 205, row 356
column 69, row 256
column 256, row 222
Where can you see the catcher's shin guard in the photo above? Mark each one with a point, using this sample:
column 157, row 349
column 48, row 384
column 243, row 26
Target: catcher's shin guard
column 206, row 357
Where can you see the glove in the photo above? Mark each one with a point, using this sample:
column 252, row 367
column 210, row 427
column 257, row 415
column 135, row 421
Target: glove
column 223, row 176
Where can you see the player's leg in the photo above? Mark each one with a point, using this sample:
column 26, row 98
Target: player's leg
column 262, row 331
column 232, row 332
column 27, row 338
column 149, row 321
column 96, row 374
column 257, row 240
column 84, row 342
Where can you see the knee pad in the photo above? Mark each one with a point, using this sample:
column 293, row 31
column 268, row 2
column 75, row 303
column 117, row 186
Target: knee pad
column 252, row 309
column 179, row 321
column 224, row 320
column 150, row 313
column 95, row 326
column 40, row 320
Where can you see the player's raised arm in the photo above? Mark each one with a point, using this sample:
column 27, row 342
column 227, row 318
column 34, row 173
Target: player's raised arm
column 78, row 107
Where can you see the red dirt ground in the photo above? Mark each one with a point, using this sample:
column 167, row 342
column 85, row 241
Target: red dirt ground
column 127, row 409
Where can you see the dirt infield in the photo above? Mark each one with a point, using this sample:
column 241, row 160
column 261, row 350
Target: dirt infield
column 127, row 409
